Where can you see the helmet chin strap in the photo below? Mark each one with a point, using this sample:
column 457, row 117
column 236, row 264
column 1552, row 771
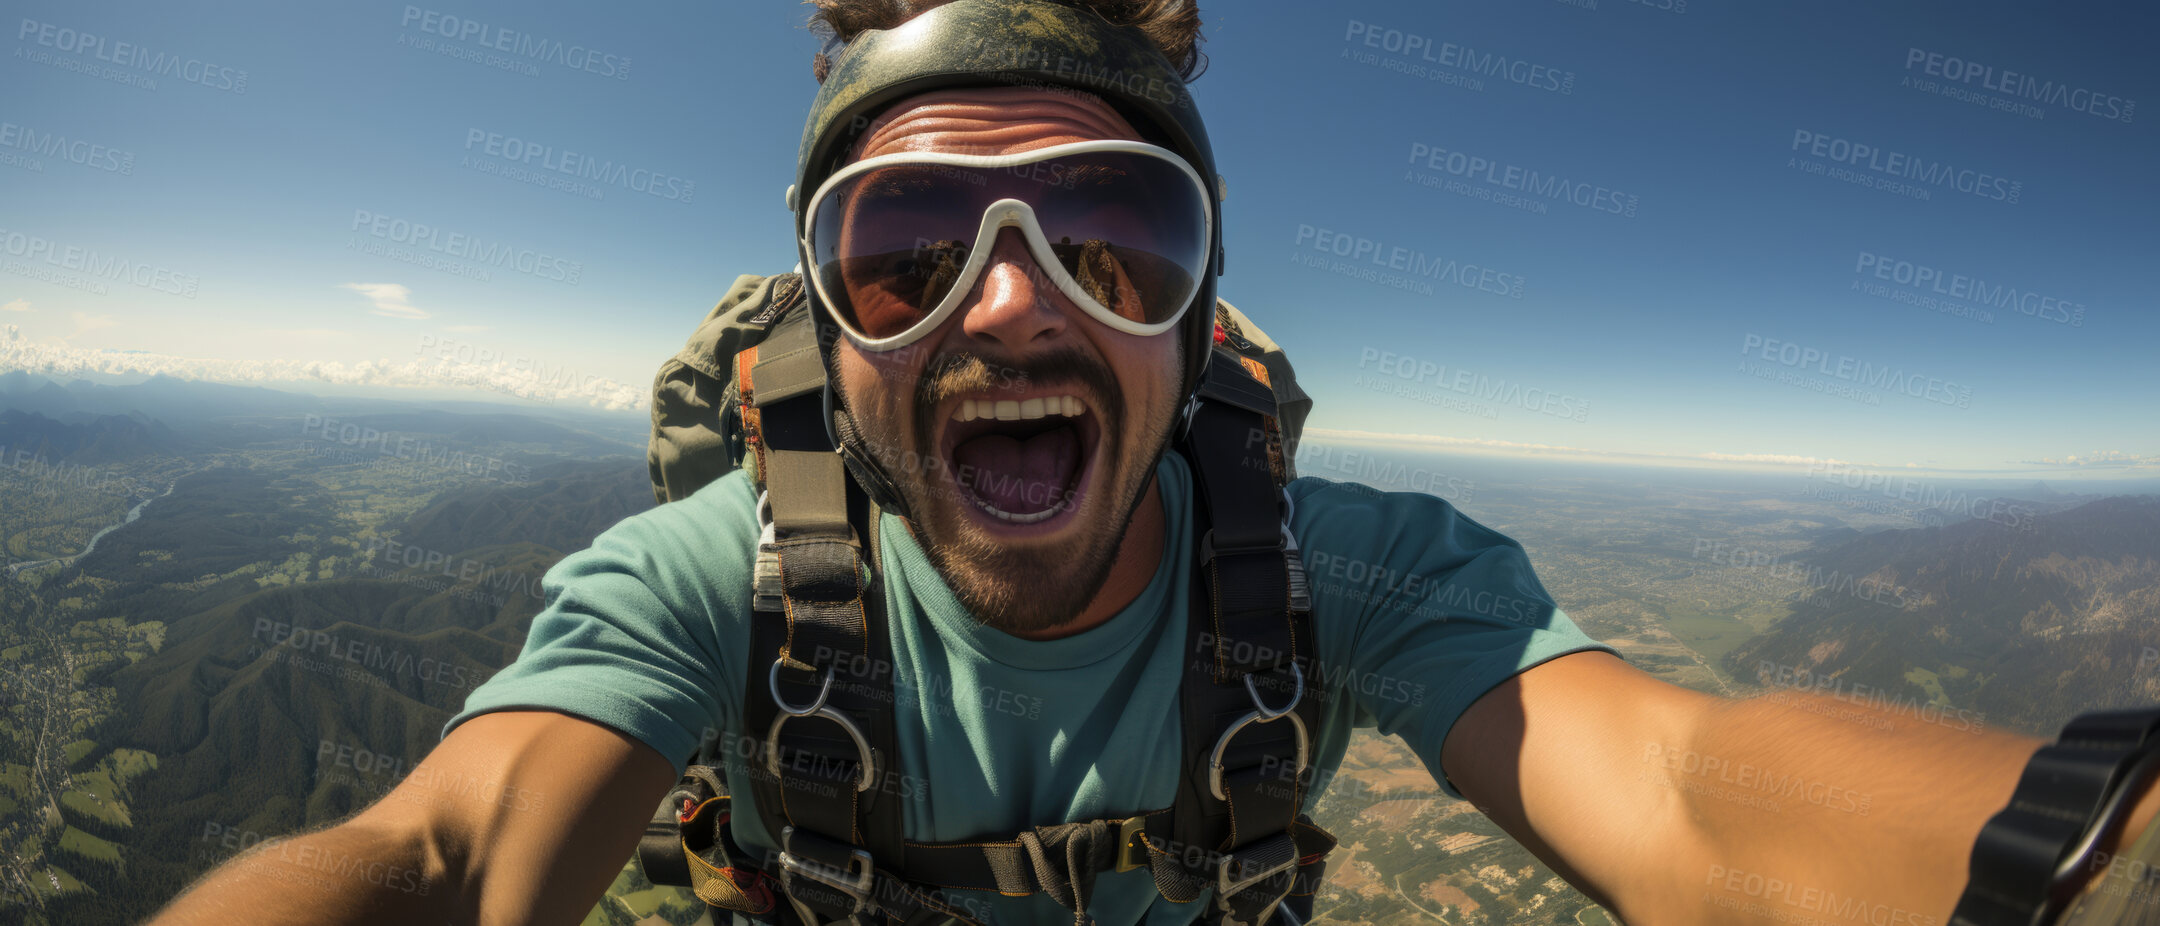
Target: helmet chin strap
column 868, row 472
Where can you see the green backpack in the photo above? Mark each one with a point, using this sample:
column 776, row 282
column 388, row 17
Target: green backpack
column 697, row 437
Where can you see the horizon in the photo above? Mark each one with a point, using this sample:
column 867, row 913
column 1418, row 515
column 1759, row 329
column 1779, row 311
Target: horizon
column 1324, row 448
column 1760, row 274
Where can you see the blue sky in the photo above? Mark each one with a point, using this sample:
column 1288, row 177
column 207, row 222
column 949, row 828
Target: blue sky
column 1709, row 324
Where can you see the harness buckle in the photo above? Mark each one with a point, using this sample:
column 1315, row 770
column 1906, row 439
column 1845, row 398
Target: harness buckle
column 1208, row 550
column 1225, row 887
column 766, row 591
column 855, row 881
column 1132, row 843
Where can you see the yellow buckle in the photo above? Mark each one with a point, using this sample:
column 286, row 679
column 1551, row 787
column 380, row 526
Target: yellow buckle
column 1132, row 843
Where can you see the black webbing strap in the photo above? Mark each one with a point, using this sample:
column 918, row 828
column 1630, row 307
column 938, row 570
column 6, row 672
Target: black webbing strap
column 820, row 673
column 1044, row 859
column 1247, row 716
column 2014, row 861
column 1241, row 552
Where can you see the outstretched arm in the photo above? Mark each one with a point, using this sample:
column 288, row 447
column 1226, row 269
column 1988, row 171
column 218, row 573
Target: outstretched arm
column 517, row 817
column 1670, row 806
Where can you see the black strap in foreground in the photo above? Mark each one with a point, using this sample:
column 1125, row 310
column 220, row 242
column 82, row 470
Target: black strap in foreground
column 2027, row 861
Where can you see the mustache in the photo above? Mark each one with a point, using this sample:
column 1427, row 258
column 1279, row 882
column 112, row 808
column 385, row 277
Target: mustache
column 947, row 376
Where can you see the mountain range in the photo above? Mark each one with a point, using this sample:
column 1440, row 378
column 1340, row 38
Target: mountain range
column 2028, row 623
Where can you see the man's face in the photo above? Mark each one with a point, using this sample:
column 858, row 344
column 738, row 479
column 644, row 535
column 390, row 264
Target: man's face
column 1023, row 504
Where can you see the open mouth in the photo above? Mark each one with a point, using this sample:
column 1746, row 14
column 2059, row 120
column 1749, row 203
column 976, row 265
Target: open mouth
column 1020, row 461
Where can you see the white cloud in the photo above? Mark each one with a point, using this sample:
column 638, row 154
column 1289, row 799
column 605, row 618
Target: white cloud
column 2103, row 459
column 391, row 299
column 1789, row 458
column 18, row 352
column 16, row 305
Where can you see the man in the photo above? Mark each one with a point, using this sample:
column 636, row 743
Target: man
column 1034, row 635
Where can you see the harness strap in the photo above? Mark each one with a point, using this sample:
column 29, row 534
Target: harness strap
column 1237, row 829
column 822, row 647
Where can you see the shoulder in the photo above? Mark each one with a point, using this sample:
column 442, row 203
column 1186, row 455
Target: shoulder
column 690, row 545
column 1396, row 555
column 1354, row 514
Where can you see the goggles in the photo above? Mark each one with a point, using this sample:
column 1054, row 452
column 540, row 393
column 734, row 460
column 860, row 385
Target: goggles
column 1121, row 228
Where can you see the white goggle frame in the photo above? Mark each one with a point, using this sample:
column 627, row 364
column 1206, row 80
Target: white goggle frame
column 997, row 216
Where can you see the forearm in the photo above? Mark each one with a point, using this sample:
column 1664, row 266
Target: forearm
column 1808, row 806
column 352, row 873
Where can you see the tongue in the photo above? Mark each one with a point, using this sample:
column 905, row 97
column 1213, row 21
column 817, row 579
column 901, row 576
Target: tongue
column 1023, row 475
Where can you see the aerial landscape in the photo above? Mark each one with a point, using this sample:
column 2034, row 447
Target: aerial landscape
column 252, row 610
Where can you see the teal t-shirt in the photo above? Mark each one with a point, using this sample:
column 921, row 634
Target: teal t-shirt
column 1418, row 609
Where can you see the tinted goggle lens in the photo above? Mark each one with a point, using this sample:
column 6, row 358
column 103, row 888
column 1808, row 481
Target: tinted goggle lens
column 1130, row 229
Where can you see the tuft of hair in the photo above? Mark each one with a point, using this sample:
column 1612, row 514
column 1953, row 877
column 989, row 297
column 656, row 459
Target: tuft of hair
column 1173, row 25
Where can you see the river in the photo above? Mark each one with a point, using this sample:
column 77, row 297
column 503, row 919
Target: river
column 132, row 514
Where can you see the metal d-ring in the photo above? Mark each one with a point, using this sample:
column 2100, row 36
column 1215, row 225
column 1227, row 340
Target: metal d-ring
column 866, row 764
column 1296, row 694
column 1261, row 713
column 773, row 680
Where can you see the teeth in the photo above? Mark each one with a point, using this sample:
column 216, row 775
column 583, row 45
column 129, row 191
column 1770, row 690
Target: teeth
column 1004, row 515
column 1019, row 409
